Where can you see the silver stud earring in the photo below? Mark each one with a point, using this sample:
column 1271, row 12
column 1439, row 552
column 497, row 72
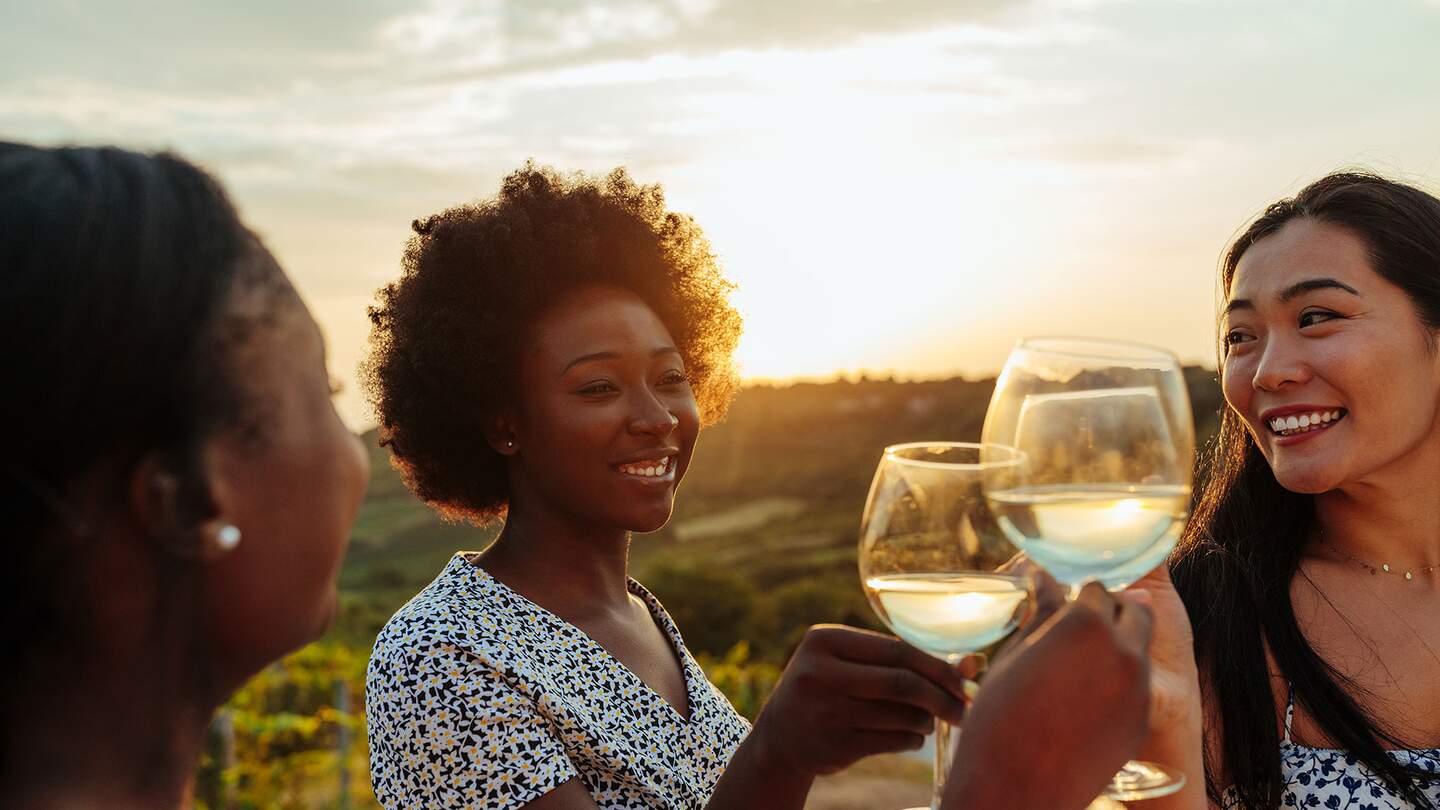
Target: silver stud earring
column 227, row 538
column 510, row 443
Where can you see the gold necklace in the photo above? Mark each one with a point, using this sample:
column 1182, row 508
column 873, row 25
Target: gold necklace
column 1384, row 567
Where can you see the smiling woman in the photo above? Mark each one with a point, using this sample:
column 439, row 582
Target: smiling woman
column 449, row 337
column 550, row 356
column 1311, row 569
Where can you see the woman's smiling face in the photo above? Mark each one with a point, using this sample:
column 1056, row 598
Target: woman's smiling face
column 606, row 421
column 1328, row 363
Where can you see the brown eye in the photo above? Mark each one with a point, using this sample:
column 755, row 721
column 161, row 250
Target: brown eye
column 1314, row 316
column 598, row 388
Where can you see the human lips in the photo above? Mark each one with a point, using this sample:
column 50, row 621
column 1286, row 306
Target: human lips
column 1291, row 421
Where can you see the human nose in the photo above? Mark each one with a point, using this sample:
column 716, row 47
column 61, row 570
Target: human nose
column 652, row 416
column 1280, row 363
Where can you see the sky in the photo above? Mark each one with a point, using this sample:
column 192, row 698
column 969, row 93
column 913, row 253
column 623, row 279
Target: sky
column 897, row 186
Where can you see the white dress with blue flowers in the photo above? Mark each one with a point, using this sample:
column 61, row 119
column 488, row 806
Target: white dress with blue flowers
column 1334, row 778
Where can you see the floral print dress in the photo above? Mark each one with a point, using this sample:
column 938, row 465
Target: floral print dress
column 478, row 697
column 1334, row 778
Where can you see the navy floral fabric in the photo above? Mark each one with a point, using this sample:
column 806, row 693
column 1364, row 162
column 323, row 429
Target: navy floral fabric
column 478, row 697
column 1333, row 778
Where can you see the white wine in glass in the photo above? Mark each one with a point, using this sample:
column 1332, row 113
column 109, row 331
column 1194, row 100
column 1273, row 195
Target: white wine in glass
column 1105, row 485
column 932, row 558
column 1107, row 442
column 949, row 614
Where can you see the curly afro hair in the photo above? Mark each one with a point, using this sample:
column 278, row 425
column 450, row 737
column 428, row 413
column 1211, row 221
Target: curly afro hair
column 446, row 336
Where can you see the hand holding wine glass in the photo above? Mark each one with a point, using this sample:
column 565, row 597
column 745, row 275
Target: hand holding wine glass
column 933, row 562
column 1034, row 740
column 849, row 693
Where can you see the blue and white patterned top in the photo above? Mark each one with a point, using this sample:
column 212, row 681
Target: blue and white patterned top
column 1334, row 778
column 478, row 697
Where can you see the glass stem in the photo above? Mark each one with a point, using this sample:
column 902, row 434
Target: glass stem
column 946, row 734
column 944, row 739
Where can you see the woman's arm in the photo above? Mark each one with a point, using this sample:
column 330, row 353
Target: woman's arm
column 846, row 694
column 1176, row 733
column 1059, row 713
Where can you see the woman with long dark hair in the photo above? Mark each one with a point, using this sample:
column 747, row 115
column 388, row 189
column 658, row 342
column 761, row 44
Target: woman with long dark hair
column 176, row 487
column 1311, row 567
column 547, row 359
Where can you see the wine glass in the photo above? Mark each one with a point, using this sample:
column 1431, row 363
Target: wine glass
column 933, row 561
column 1103, row 490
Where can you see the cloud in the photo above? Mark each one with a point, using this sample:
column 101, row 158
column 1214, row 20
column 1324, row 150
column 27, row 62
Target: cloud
column 1111, row 157
column 547, row 35
column 826, row 23
column 1111, row 150
column 187, row 46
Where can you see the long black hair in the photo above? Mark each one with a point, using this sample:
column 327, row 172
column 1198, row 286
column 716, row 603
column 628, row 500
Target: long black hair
column 1243, row 546
column 115, row 271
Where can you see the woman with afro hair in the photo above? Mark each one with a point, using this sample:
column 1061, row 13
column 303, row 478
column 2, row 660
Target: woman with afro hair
column 547, row 358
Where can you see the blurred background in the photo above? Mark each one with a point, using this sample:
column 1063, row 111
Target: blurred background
column 901, row 188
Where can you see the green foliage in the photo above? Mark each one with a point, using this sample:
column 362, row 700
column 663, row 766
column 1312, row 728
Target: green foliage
column 281, row 741
column 711, row 607
column 746, row 683
column 791, row 609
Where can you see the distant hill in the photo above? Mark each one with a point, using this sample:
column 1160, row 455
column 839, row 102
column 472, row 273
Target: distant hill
column 769, row 509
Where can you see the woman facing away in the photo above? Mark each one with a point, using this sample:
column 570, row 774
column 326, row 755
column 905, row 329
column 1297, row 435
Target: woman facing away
column 176, row 489
column 1311, row 568
column 548, row 357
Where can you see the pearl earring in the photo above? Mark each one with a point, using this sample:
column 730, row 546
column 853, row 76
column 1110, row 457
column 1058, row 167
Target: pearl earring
column 510, row 443
column 227, row 538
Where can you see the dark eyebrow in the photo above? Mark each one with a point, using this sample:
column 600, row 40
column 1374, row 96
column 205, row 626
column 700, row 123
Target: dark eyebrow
column 1298, row 288
column 587, row 358
column 1315, row 284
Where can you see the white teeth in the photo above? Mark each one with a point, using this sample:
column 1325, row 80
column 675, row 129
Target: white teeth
column 648, row 469
column 1286, row 426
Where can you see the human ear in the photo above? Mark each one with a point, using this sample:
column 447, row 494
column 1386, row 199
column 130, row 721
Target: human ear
column 501, row 434
column 183, row 511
